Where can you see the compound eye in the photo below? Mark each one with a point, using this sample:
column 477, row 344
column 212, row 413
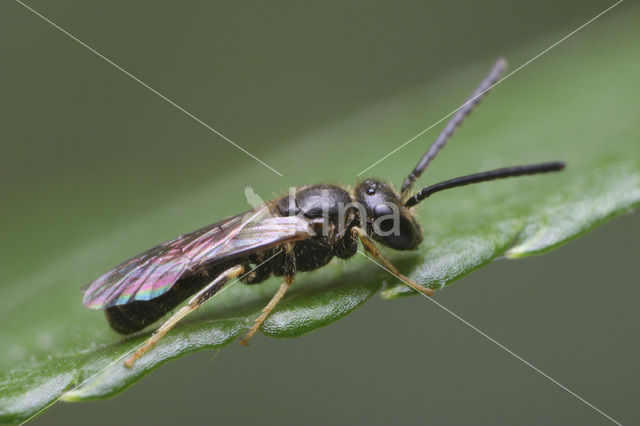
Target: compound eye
column 405, row 239
column 382, row 210
column 393, row 228
column 386, row 224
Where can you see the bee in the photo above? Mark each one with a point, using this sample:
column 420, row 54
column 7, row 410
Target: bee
column 301, row 231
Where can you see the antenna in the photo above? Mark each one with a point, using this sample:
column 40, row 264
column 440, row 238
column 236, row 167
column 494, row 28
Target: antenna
column 481, row 91
column 530, row 169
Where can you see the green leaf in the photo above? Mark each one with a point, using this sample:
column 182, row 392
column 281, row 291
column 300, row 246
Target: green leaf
column 578, row 105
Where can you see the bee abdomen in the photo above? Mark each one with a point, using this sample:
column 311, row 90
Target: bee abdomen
column 134, row 316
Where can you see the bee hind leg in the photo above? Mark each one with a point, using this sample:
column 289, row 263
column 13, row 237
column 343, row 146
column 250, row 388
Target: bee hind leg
column 196, row 301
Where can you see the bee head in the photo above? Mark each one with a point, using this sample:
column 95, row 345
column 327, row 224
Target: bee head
column 388, row 220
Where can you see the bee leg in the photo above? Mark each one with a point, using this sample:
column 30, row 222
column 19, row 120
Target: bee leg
column 195, row 302
column 289, row 275
column 372, row 249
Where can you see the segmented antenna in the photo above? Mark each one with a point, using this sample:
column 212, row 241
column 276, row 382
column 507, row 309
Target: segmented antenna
column 530, row 169
column 492, row 78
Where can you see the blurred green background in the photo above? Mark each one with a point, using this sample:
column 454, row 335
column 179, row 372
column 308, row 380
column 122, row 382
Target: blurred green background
column 87, row 154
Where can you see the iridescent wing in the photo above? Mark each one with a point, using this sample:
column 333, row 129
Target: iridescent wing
column 154, row 272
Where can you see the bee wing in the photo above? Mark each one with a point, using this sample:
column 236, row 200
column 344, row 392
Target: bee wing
column 152, row 273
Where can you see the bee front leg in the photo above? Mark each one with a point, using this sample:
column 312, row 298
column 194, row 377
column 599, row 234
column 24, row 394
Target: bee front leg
column 289, row 275
column 195, row 302
column 372, row 249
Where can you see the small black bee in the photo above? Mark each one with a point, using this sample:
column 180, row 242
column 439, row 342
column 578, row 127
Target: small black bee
column 302, row 231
